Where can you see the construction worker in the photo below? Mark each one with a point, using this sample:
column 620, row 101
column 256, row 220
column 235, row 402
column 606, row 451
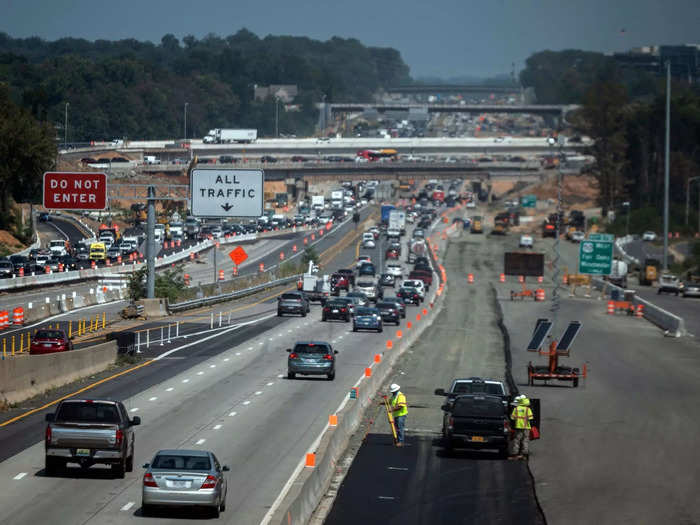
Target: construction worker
column 399, row 409
column 522, row 421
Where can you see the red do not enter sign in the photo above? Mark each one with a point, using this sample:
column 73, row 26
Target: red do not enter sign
column 75, row 191
column 238, row 255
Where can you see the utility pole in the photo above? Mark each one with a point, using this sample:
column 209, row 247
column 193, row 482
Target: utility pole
column 557, row 226
column 65, row 128
column 151, row 244
column 667, row 153
column 277, row 117
column 184, row 132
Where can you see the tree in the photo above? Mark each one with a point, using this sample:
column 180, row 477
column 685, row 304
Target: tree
column 603, row 117
column 27, row 150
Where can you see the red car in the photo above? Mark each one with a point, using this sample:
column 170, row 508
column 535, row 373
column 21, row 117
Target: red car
column 392, row 253
column 50, row 341
column 339, row 282
column 424, row 275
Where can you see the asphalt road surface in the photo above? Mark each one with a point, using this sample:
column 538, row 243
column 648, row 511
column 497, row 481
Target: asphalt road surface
column 226, row 392
column 421, row 483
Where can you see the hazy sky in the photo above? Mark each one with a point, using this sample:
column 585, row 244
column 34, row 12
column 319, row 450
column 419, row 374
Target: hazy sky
column 435, row 37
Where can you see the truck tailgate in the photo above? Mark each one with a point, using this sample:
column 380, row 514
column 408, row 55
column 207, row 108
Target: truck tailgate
column 84, row 436
column 477, row 426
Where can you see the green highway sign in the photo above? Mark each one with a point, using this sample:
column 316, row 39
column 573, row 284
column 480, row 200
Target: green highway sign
column 528, row 201
column 605, row 237
column 595, row 257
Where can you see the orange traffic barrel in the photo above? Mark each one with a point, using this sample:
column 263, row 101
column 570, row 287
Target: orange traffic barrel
column 18, row 315
column 640, row 311
column 221, row 275
column 4, row 319
column 611, row 307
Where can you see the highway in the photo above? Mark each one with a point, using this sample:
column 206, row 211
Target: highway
column 227, row 392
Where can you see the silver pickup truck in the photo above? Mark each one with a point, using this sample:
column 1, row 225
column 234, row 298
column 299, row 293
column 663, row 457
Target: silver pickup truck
column 88, row 432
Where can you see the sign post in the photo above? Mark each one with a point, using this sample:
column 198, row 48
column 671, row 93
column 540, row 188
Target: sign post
column 75, row 191
column 595, row 257
column 227, row 192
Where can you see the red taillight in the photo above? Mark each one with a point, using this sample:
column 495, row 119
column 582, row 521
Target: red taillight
column 343, row 309
column 148, row 480
column 451, row 422
column 326, row 309
column 328, row 357
column 209, row 483
column 293, row 356
column 48, row 434
column 119, row 437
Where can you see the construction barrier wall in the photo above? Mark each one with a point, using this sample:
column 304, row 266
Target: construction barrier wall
column 23, row 377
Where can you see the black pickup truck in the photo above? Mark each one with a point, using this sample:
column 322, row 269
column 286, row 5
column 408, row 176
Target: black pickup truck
column 476, row 421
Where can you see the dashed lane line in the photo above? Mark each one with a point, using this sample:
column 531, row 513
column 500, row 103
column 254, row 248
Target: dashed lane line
column 20, row 476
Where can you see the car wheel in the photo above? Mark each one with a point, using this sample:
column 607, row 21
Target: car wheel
column 215, row 512
column 222, row 507
column 380, row 330
column 303, row 313
column 503, row 452
column 119, row 469
column 323, row 318
column 279, row 314
column 147, row 510
column 354, row 328
column 52, row 466
column 398, row 322
column 130, row 463
column 291, row 375
column 331, row 376
column 347, row 319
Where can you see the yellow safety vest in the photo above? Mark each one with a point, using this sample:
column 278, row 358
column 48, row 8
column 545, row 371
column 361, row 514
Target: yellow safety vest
column 522, row 417
column 398, row 405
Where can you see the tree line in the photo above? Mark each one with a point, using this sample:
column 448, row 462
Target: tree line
column 135, row 89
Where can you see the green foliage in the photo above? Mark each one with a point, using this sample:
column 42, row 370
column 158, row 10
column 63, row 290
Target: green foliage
column 138, row 89
column 169, row 284
column 27, row 150
column 310, row 254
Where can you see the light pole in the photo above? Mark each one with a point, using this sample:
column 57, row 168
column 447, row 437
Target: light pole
column 626, row 205
column 277, row 117
column 65, row 128
column 185, row 123
column 687, row 201
column 557, row 225
column 667, row 153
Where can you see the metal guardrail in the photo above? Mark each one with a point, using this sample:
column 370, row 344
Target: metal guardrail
column 204, row 301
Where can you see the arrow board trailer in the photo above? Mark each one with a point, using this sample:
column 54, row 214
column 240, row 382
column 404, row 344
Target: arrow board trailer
column 227, row 192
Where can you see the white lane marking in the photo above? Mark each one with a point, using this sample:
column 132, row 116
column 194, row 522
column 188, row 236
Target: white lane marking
column 127, row 506
column 238, row 353
column 231, row 414
column 397, row 468
column 280, row 376
column 270, row 383
column 225, row 359
column 340, row 337
column 169, row 389
column 306, row 324
column 386, row 497
column 134, row 410
column 249, row 348
column 261, row 343
column 281, row 335
column 271, row 339
column 201, row 441
column 222, row 332
column 289, row 331
column 212, row 366
column 217, row 427
column 20, row 475
column 258, row 392
column 200, row 373
column 246, row 402
column 185, row 380
column 153, row 398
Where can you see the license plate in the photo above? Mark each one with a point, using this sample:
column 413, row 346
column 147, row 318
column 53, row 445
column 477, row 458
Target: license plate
column 82, row 452
column 335, row 311
column 179, row 484
column 47, row 345
column 477, row 439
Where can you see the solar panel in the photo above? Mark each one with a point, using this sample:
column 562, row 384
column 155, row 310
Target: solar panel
column 541, row 331
column 568, row 338
column 537, row 324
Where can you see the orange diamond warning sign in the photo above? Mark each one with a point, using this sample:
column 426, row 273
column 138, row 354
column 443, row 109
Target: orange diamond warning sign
column 238, row 255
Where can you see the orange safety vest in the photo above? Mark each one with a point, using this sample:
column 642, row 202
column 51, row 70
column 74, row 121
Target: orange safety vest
column 522, row 416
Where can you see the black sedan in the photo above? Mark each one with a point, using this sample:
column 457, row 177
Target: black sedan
column 390, row 312
column 400, row 304
column 387, row 279
column 409, row 295
column 336, row 310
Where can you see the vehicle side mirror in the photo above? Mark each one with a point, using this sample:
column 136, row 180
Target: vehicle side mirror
column 50, row 417
column 445, row 407
column 335, row 351
column 135, row 421
column 288, row 350
column 225, row 468
column 440, row 392
column 146, row 465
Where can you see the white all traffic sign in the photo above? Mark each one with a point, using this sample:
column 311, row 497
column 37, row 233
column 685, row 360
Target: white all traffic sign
column 227, row 192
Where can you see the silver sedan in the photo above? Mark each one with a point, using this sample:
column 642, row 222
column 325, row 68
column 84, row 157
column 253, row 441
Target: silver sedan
column 184, row 478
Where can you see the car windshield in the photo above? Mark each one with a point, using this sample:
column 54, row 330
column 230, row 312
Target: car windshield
column 477, row 407
column 386, row 305
column 365, row 284
column 311, row 348
column 181, row 462
column 366, row 311
column 478, row 388
column 88, row 412
column 48, row 334
column 290, row 296
column 336, row 304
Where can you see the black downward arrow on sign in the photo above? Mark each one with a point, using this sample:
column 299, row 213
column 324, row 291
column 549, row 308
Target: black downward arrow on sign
column 226, row 206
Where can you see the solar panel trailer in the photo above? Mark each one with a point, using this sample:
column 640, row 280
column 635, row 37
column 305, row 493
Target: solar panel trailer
column 553, row 370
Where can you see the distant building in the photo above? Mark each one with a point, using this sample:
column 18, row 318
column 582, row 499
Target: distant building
column 684, row 59
column 285, row 92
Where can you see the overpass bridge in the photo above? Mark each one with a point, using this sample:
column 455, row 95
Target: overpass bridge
column 455, row 88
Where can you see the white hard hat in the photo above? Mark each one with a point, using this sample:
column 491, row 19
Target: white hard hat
column 394, row 388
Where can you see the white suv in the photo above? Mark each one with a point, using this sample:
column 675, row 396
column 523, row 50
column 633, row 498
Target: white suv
column 526, row 241
column 394, row 269
column 417, row 284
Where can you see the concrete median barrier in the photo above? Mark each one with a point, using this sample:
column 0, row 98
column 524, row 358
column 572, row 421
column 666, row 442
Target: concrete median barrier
column 23, row 377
